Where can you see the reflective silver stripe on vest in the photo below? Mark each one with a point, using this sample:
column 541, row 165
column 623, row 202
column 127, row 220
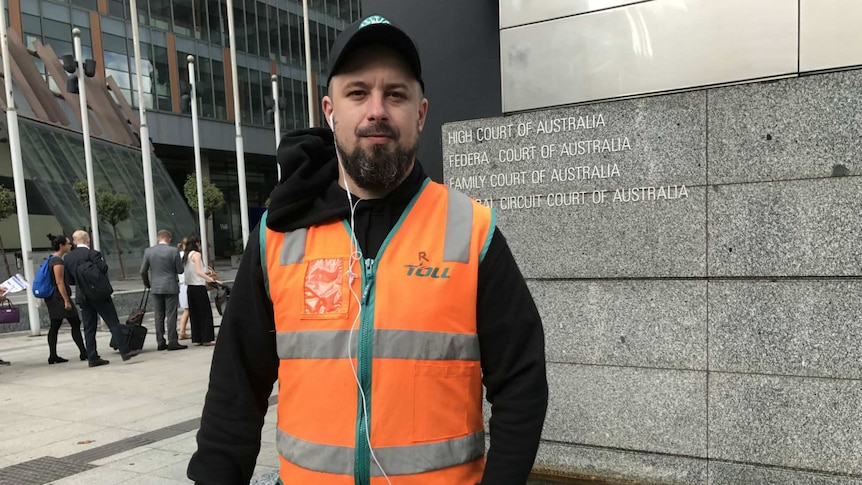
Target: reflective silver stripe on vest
column 293, row 249
column 388, row 344
column 459, row 228
column 395, row 460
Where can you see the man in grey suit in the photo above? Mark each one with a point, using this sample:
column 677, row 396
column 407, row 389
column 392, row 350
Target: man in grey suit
column 163, row 261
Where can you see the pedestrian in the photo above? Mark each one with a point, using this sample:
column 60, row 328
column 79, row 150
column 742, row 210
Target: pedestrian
column 60, row 305
column 163, row 261
column 93, row 306
column 184, row 296
column 380, row 300
column 200, row 310
column 2, row 299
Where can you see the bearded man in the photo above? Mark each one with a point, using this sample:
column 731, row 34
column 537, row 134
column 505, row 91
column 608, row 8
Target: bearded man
column 381, row 301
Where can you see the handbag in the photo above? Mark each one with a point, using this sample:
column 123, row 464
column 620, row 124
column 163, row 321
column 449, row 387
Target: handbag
column 212, row 273
column 221, row 298
column 9, row 313
column 136, row 316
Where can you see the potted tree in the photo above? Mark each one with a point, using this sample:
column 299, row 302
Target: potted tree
column 236, row 257
column 213, row 200
column 112, row 207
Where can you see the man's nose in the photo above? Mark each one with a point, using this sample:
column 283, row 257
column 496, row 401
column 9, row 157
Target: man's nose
column 377, row 107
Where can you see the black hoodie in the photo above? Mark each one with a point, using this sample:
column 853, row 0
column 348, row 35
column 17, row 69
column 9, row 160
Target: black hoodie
column 245, row 362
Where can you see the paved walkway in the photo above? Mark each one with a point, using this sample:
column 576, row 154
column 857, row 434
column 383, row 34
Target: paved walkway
column 128, row 422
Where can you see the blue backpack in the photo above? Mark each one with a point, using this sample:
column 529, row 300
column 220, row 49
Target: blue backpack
column 43, row 287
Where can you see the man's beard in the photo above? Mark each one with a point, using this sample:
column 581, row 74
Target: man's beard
column 381, row 170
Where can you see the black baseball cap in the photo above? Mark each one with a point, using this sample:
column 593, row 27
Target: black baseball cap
column 374, row 29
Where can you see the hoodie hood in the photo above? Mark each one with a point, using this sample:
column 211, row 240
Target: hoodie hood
column 308, row 191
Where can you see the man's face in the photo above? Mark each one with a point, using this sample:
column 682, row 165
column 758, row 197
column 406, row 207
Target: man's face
column 379, row 110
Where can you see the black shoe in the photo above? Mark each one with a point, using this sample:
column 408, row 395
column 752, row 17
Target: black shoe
column 56, row 360
column 177, row 347
column 163, row 347
column 97, row 363
column 131, row 354
column 5, row 362
column 83, row 357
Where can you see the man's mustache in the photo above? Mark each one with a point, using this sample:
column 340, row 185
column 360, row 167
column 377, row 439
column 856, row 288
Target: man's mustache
column 378, row 129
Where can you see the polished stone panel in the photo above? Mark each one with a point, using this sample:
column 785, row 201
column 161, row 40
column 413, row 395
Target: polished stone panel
column 643, row 323
column 793, row 228
column 798, row 422
column 802, row 327
column 618, row 465
column 721, row 473
column 793, row 129
column 665, row 238
column 629, row 408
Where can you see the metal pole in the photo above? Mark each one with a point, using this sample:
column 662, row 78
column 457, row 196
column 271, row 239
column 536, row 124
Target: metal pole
column 147, row 161
column 308, row 79
column 198, row 169
column 18, row 175
column 240, row 153
column 85, row 128
column 277, row 118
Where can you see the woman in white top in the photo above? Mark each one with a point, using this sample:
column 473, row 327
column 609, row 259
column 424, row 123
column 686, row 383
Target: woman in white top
column 184, row 298
column 200, row 311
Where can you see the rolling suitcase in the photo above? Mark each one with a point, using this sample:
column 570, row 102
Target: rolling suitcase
column 133, row 330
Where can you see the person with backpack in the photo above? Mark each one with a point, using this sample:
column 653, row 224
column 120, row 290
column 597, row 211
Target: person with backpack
column 59, row 299
column 88, row 272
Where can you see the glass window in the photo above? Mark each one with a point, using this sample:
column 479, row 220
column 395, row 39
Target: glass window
column 257, row 96
column 201, row 28
column 88, row 4
column 143, row 11
column 117, row 9
column 219, row 91
column 160, row 14
column 56, row 30
column 274, row 43
column 250, row 27
column 162, row 78
column 217, row 21
column 183, row 17
column 238, row 24
column 205, row 87
column 244, row 94
column 263, row 30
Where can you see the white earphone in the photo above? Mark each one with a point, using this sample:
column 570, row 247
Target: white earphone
column 331, row 121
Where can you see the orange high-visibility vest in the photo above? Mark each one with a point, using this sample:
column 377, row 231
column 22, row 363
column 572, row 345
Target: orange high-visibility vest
column 412, row 349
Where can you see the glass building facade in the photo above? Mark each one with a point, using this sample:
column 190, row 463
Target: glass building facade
column 269, row 40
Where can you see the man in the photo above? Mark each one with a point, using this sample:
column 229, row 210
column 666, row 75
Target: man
column 381, row 309
column 93, row 307
column 163, row 260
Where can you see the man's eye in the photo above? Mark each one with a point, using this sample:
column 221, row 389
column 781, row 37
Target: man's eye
column 356, row 93
column 397, row 94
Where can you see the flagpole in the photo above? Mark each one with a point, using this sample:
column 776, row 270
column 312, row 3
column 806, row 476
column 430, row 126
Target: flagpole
column 147, row 162
column 276, row 115
column 240, row 152
column 308, row 77
column 198, row 168
column 18, row 175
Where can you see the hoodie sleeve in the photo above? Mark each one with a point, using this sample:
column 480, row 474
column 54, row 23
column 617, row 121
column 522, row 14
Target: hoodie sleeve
column 512, row 343
column 244, row 368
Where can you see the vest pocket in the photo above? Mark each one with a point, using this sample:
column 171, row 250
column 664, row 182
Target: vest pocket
column 441, row 395
column 325, row 290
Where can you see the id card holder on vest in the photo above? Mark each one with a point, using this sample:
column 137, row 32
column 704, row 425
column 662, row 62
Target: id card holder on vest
column 326, row 289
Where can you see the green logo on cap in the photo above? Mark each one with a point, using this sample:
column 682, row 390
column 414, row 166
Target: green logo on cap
column 374, row 19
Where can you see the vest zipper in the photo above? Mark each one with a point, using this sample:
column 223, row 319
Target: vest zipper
column 362, row 466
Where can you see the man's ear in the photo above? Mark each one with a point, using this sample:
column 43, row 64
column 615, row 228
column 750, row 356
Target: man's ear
column 423, row 113
column 328, row 110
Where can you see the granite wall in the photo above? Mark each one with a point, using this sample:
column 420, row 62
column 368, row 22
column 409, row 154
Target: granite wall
column 696, row 259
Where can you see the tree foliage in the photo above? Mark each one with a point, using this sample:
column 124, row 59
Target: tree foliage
column 112, row 207
column 7, row 202
column 213, row 196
